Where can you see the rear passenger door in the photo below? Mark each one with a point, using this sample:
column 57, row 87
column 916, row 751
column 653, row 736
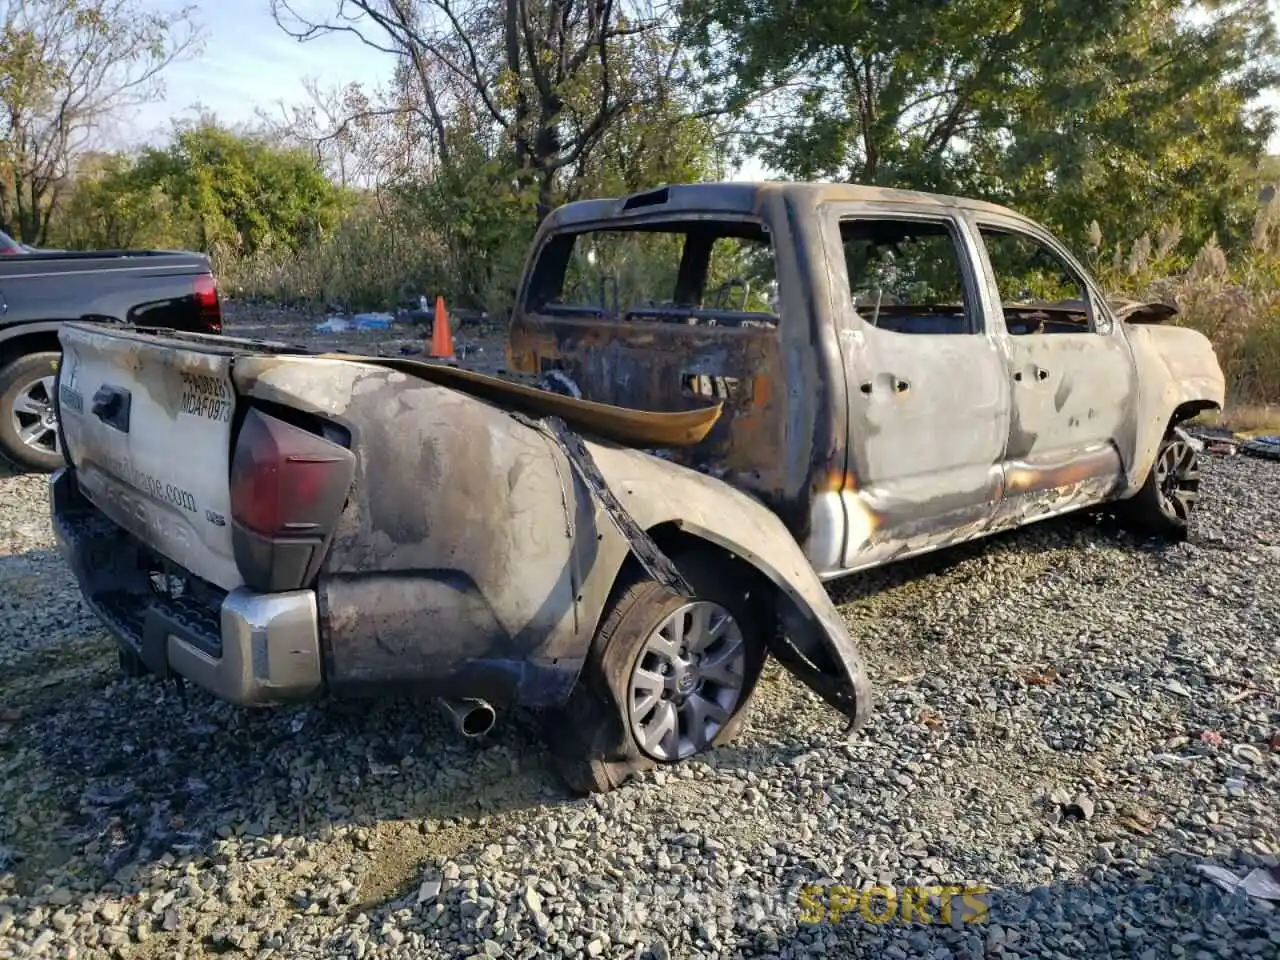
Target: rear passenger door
column 928, row 388
column 1069, row 372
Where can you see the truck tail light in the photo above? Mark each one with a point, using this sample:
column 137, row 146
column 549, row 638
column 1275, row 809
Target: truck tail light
column 287, row 481
column 205, row 291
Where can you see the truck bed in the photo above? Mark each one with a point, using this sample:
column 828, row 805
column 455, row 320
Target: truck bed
column 150, row 418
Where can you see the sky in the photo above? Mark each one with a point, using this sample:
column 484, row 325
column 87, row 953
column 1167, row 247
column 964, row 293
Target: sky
column 248, row 62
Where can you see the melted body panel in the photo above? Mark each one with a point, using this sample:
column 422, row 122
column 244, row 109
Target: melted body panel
column 871, row 445
column 483, row 564
column 455, row 567
column 1177, row 370
column 641, row 427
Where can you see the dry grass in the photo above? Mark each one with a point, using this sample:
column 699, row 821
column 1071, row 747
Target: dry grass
column 1245, row 419
column 1233, row 300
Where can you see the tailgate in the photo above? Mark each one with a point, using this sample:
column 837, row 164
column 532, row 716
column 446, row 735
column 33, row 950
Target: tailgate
column 147, row 424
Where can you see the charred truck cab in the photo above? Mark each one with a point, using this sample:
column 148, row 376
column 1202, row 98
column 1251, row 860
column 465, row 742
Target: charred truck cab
column 721, row 395
column 899, row 371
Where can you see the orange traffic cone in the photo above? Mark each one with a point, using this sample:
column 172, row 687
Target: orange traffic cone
column 441, row 335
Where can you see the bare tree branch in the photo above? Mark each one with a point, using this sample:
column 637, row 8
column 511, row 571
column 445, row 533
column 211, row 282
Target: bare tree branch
column 66, row 66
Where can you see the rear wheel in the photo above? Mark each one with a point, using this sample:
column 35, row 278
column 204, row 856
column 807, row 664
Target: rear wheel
column 1163, row 505
column 666, row 679
column 28, row 418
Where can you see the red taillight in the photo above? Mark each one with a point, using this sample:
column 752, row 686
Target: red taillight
column 286, row 481
column 205, row 290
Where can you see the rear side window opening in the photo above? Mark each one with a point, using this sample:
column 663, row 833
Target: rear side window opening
column 709, row 272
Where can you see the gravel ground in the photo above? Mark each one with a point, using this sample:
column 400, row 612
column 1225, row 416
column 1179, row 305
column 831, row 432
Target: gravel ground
column 1067, row 718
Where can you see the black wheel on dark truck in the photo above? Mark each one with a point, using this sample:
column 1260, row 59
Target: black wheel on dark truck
column 28, row 423
column 666, row 677
column 1162, row 506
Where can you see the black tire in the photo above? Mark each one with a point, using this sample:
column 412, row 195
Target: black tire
column 28, row 381
column 591, row 737
column 1162, row 507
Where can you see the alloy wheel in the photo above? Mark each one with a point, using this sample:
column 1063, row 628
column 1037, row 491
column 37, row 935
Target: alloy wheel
column 687, row 681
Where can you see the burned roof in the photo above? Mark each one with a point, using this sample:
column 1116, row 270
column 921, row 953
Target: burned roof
column 736, row 198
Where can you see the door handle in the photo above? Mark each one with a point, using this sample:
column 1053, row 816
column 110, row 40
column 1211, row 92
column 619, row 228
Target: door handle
column 112, row 406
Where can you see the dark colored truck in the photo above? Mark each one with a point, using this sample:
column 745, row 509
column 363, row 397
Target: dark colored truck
column 41, row 290
column 760, row 387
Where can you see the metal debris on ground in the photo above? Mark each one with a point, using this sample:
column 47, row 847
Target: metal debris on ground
column 1261, row 883
column 1071, row 806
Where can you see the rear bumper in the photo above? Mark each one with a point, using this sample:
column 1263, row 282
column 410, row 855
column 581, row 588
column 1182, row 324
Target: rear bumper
column 244, row 647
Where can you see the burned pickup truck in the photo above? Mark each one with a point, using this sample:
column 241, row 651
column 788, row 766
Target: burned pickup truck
column 754, row 389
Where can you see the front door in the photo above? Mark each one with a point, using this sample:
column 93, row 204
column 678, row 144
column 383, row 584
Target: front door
column 1069, row 372
column 928, row 392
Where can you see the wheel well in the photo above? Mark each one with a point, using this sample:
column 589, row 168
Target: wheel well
column 27, row 343
column 1191, row 408
column 672, row 540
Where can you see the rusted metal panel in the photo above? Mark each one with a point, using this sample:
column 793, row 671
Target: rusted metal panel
column 638, row 426
column 781, row 384
column 679, row 368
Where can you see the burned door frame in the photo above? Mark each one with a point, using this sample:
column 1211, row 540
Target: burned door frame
column 782, row 423
column 892, row 507
column 1073, row 398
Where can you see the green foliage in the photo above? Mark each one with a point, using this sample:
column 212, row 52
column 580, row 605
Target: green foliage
column 374, row 257
column 65, row 66
column 232, row 194
column 1150, row 124
column 1073, row 110
column 462, row 234
column 112, row 208
column 462, row 228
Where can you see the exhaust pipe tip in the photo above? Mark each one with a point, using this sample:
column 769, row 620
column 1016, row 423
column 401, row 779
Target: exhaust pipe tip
column 471, row 717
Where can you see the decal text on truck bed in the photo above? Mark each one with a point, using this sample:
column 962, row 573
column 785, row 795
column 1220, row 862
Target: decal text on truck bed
column 206, row 397
column 154, row 487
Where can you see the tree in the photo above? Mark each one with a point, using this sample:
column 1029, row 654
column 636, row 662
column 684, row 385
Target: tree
column 242, row 193
column 357, row 135
column 110, row 207
column 1073, row 108
column 537, row 83
column 1157, row 125
column 213, row 189
column 65, row 67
